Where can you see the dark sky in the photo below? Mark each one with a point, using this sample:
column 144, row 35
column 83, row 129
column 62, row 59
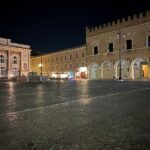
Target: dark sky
column 58, row 24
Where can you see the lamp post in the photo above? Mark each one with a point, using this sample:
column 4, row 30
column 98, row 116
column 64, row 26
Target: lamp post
column 41, row 65
column 118, row 36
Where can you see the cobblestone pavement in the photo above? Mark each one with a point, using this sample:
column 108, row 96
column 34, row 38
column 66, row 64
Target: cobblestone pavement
column 75, row 115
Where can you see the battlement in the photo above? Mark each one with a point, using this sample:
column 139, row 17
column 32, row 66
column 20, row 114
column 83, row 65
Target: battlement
column 119, row 23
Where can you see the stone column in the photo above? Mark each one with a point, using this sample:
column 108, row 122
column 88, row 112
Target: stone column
column 20, row 72
column 8, row 63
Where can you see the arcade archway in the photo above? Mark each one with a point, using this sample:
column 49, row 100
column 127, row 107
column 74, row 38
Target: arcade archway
column 140, row 69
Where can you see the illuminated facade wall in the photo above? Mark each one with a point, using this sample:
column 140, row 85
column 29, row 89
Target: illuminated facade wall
column 65, row 61
column 126, row 41
column 14, row 59
column 120, row 48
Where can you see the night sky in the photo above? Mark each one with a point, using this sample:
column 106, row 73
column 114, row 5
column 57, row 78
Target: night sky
column 58, row 24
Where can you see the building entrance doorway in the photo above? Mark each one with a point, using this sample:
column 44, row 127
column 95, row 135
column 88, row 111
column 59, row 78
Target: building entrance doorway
column 145, row 70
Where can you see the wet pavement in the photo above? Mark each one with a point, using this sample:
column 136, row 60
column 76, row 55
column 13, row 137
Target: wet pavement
column 75, row 115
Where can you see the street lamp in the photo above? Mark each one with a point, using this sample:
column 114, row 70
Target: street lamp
column 41, row 65
column 118, row 36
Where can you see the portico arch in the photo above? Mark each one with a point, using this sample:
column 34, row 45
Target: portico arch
column 93, row 71
column 107, row 70
column 139, row 68
column 125, row 69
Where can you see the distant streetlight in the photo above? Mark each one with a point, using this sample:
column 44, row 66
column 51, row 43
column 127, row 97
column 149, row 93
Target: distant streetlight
column 41, row 65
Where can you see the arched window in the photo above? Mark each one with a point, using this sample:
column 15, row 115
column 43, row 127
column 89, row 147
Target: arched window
column 2, row 59
column 15, row 60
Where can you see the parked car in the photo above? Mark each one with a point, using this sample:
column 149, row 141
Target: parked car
column 33, row 77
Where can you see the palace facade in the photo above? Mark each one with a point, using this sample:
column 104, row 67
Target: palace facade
column 14, row 59
column 120, row 49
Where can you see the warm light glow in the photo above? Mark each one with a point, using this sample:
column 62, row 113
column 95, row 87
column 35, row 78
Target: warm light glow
column 54, row 75
column 145, row 71
column 11, row 75
column 86, row 101
column 64, row 75
column 83, row 69
column 40, row 65
column 78, row 73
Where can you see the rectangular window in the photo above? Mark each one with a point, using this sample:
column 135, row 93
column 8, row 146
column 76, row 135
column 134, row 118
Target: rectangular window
column 110, row 47
column 82, row 64
column 65, row 66
column 1, row 60
column 70, row 66
column 2, row 71
column 77, row 65
column 129, row 44
column 95, row 50
column 14, row 61
column 149, row 41
column 82, row 54
column 76, row 55
column 70, row 56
